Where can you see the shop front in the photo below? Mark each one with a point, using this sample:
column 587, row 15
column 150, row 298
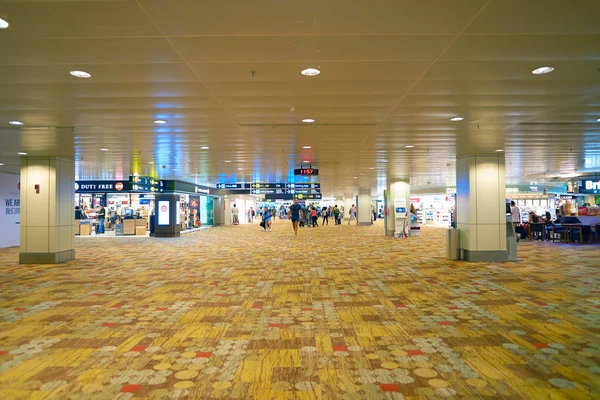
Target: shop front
column 130, row 205
column 196, row 205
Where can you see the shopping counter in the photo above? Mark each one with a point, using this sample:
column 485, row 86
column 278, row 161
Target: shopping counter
column 134, row 226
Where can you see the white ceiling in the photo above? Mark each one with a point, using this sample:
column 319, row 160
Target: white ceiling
column 393, row 74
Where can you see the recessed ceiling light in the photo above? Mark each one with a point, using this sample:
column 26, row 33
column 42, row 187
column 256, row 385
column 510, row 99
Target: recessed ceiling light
column 3, row 24
column 174, row 169
column 227, row 161
column 150, row 162
column 598, row 120
column 355, row 177
column 306, row 161
column 542, row 70
column 308, row 120
column 409, row 146
column 1, row 164
column 103, row 149
column 310, row 72
column 15, row 122
column 160, row 121
column 456, row 119
column 80, row 74
column 22, row 154
column 307, row 147
column 499, row 151
column 371, row 167
column 240, row 169
column 204, row 148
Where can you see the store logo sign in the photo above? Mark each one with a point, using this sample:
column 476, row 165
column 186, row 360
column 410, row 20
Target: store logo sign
column 76, row 186
column 199, row 190
column 591, row 185
column 119, row 186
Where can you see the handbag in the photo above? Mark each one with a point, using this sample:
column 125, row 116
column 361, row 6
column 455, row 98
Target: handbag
column 262, row 224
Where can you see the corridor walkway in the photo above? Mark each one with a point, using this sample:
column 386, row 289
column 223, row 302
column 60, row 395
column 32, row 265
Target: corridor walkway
column 342, row 312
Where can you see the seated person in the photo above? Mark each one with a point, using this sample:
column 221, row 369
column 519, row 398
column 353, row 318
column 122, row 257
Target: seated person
column 79, row 214
column 533, row 218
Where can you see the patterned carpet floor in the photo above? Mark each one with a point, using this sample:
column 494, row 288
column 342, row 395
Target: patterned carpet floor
column 341, row 312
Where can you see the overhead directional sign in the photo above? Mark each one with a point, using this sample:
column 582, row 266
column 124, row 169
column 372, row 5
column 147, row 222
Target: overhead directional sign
column 284, row 196
column 266, row 191
column 146, row 184
column 303, row 191
column 258, row 185
column 303, row 185
column 233, row 186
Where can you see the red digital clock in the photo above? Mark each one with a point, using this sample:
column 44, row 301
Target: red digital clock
column 306, row 171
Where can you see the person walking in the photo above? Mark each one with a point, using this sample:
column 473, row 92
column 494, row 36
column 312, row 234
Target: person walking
column 305, row 216
column 267, row 217
column 315, row 218
column 249, row 215
column 515, row 214
column 352, row 213
column 336, row 214
column 325, row 215
column 101, row 217
column 236, row 214
column 294, row 215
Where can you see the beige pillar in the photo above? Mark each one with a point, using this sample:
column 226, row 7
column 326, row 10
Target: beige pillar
column 47, row 210
column 481, row 207
column 396, row 195
column 364, row 202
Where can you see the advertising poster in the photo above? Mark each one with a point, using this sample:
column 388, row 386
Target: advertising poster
column 10, row 215
column 163, row 213
column 589, row 211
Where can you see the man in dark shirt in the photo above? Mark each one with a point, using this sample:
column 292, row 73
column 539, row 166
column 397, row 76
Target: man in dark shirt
column 295, row 210
column 101, row 216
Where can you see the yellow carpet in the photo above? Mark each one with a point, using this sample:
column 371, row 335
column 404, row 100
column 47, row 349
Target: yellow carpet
column 342, row 312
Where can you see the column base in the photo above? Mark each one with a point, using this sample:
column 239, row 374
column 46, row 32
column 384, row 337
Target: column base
column 47, row 258
column 485, row 256
column 167, row 235
column 390, row 233
column 364, row 224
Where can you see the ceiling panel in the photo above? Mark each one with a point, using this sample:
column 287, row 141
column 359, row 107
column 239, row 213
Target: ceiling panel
column 578, row 47
column 270, row 17
column 393, row 73
column 69, row 51
column 102, row 73
column 70, row 19
column 290, row 71
column 545, row 17
column 310, row 50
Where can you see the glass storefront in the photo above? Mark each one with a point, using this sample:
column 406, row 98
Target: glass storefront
column 207, row 212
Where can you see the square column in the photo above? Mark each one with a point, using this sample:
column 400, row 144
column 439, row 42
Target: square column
column 228, row 219
column 168, row 219
column 397, row 195
column 363, row 207
column 481, row 207
column 47, row 210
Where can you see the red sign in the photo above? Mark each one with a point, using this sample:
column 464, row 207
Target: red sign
column 589, row 211
column 164, row 208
